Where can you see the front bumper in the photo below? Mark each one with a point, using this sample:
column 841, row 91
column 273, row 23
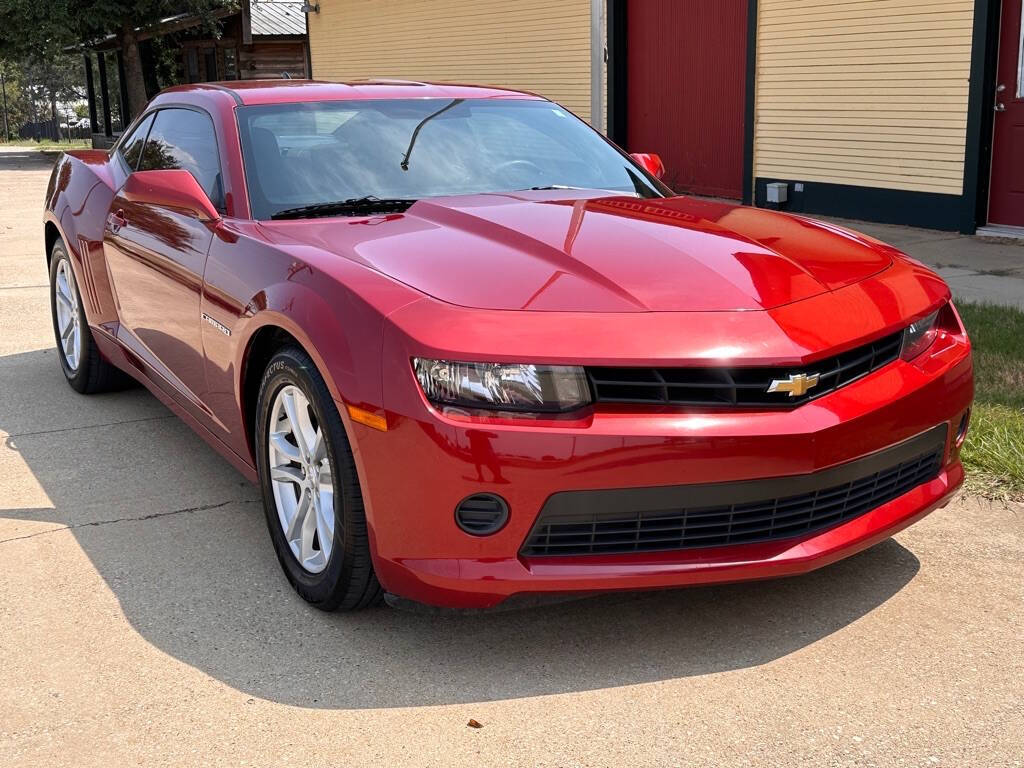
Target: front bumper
column 414, row 474
column 486, row 582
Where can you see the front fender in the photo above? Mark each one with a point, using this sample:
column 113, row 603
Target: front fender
column 325, row 341
column 334, row 310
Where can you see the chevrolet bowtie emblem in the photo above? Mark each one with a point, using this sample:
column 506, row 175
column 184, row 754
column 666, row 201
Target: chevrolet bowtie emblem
column 797, row 384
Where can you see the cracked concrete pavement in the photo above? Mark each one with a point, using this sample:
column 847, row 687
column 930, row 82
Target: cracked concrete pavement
column 144, row 620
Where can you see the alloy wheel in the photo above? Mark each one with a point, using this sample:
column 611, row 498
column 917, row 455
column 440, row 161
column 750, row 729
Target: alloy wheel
column 300, row 475
column 69, row 315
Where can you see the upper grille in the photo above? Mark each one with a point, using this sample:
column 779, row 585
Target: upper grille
column 696, row 516
column 737, row 386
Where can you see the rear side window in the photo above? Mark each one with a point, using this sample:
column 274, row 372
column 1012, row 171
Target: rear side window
column 131, row 149
column 184, row 138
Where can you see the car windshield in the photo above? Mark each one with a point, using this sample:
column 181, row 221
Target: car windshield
column 310, row 154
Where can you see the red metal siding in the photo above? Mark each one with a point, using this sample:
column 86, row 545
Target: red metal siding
column 685, row 90
column 1006, row 201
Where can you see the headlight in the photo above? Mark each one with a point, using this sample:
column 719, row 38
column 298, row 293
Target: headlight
column 503, row 386
column 919, row 336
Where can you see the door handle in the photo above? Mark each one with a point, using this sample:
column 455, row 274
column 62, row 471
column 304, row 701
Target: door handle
column 1000, row 107
column 117, row 220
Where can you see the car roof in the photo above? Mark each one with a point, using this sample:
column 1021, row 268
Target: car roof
column 254, row 92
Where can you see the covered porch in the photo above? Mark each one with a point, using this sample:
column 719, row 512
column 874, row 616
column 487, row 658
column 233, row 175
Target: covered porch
column 263, row 39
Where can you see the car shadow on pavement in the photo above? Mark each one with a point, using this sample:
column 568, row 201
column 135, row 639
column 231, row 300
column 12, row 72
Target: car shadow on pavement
column 180, row 539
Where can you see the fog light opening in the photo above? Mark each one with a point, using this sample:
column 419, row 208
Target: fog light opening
column 481, row 514
column 961, row 431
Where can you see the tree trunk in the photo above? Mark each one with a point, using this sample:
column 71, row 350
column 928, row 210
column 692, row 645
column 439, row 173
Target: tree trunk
column 135, row 82
column 54, row 115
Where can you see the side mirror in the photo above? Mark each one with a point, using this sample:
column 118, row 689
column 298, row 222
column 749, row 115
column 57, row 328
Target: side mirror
column 650, row 162
column 171, row 189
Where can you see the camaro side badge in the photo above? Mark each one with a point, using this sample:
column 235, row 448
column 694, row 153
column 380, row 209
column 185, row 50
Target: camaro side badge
column 227, row 331
column 797, row 384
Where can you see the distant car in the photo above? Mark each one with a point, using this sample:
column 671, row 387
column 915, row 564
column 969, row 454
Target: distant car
column 471, row 350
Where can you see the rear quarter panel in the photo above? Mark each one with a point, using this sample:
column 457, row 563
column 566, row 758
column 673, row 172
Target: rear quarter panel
column 78, row 198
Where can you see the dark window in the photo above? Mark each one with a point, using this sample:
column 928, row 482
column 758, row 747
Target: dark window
column 230, row 64
column 131, row 147
column 192, row 65
column 184, row 138
column 210, row 60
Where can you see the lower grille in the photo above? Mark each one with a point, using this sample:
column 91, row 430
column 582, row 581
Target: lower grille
column 613, row 526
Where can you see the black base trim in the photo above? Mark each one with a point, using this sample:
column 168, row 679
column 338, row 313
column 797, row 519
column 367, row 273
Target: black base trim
column 886, row 206
column 978, row 157
column 749, row 114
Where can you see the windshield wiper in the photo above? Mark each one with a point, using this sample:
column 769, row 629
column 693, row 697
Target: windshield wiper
column 553, row 186
column 582, row 189
column 355, row 206
column 419, row 127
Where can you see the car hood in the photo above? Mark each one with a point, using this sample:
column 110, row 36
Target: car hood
column 587, row 252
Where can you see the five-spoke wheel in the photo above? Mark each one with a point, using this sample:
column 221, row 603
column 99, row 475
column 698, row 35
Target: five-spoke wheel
column 300, row 473
column 79, row 357
column 310, row 486
column 69, row 332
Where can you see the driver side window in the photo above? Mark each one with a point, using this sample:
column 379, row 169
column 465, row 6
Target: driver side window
column 185, row 138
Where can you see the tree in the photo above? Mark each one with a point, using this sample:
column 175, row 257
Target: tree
column 55, row 79
column 33, row 29
column 18, row 110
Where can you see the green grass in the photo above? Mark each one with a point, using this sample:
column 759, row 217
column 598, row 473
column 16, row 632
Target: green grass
column 46, row 145
column 994, row 451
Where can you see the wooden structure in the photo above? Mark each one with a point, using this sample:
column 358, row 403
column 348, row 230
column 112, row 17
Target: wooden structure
column 264, row 39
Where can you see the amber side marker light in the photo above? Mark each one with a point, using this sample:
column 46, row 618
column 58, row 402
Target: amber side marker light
column 368, row 418
column 961, row 431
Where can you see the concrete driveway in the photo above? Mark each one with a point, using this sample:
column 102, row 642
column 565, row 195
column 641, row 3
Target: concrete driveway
column 144, row 620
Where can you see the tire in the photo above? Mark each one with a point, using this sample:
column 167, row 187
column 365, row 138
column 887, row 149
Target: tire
column 345, row 579
column 86, row 370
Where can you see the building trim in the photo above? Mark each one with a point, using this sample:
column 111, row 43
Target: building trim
column 931, row 210
column 750, row 105
column 597, row 47
column 617, row 72
column 978, row 157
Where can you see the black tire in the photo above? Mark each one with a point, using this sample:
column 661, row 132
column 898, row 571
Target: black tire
column 93, row 374
column 348, row 582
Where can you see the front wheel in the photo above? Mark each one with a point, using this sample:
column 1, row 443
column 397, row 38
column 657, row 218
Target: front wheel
column 311, row 493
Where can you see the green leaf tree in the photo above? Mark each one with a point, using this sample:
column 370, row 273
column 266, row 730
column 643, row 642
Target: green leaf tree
column 34, row 31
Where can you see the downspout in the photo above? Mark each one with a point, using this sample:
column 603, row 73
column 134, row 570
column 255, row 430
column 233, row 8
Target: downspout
column 597, row 46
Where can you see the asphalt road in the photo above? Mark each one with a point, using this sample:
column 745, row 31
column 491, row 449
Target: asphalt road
column 144, row 620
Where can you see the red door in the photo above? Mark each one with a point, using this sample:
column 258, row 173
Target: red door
column 685, row 90
column 1006, row 195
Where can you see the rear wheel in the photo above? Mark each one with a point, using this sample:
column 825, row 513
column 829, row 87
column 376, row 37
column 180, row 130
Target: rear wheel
column 83, row 365
column 311, row 493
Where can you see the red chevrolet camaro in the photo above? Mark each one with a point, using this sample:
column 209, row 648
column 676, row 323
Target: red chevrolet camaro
column 470, row 350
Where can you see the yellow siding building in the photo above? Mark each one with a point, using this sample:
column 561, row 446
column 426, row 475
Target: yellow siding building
column 871, row 109
column 851, row 95
column 534, row 45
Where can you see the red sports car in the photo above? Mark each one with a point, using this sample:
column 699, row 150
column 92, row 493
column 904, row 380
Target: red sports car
column 471, row 350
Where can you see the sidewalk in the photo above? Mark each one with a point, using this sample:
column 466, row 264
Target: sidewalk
column 977, row 269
